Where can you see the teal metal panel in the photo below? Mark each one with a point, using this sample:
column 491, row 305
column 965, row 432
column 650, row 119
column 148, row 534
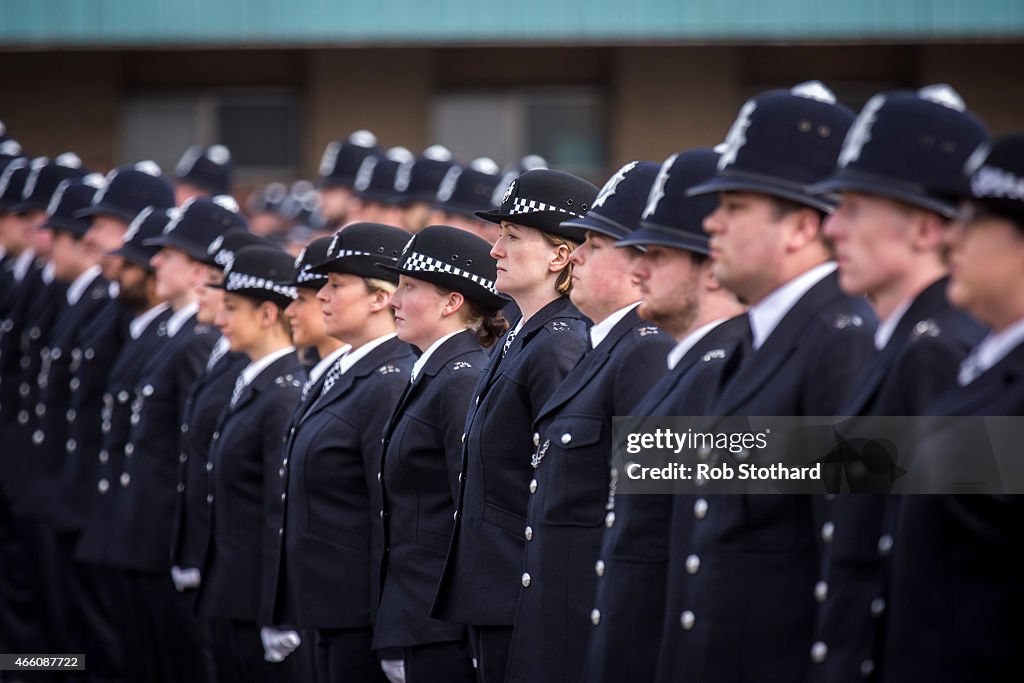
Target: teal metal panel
column 298, row 22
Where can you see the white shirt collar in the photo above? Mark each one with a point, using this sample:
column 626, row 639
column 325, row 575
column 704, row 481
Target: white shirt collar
column 887, row 328
column 21, row 265
column 689, row 341
column 422, row 360
column 180, row 317
column 327, row 361
column 77, row 288
column 139, row 324
column 600, row 331
column 253, row 369
column 49, row 273
column 353, row 357
column 766, row 314
column 994, row 347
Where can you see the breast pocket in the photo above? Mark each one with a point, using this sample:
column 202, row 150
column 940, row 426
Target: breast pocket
column 576, row 488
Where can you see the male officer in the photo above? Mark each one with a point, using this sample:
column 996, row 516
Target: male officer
column 417, row 183
column 339, row 168
column 203, row 172
column 900, row 164
column 808, row 343
column 957, row 557
column 571, row 459
column 375, row 188
column 682, row 297
column 463, row 191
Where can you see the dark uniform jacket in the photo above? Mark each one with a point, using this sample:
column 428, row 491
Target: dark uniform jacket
column 919, row 362
column 744, row 611
column 481, row 579
column 145, row 511
column 419, row 487
column 52, row 441
column 321, row 569
column 207, row 398
column 568, row 498
column 956, row 593
column 244, row 459
column 633, row 565
column 119, row 401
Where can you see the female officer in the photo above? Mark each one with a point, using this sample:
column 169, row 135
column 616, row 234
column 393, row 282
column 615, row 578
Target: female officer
column 447, row 306
column 483, row 571
column 243, row 462
column 320, row 574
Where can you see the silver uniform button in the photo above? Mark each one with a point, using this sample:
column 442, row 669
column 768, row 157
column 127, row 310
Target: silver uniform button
column 609, row 519
column 216, row 435
column 108, row 399
column 103, row 486
column 104, row 456
column 595, row 616
column 536, row 439
column 285, row 495
column 526, row 580
column 687, row 620
column 599, row 568
column 24, row 389
column 867, row 667
column 692, row 564
column 821, row 591
column 23, row 417
column 818, row 652
column 25, row 362
column 40, row 409
column 280, row 473
column 184, row 428
column 566, row 438
column 38, row 437
column 55, row 354
column 122, row 396
column 828, row 530
column 89, row 354
column 147, row 390
column 885, row 544
column 182, row 458
column 877, row 607
column 71, row 445
column 209, row 467
column 34, row 333
column 71, row 415
column 129, row 449
column 533, row 486
column 209, row 498
column 528, row 533
column 74, row 384
column 135, row 419
column 125, row 479
column 181, row 488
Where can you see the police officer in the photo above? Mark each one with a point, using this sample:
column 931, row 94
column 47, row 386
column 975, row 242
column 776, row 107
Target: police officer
column 483, row 570
column 244, row 459
column 339, row 167
column 572, row 458
column 203, row 172
column 958, row 555
column 417, row 183
column 463, row 191
column 322, row 572
column 303, row 314
column 902, row 159
column 809, row 341
column 375, row 187
column 681, row 296
column 446, row 306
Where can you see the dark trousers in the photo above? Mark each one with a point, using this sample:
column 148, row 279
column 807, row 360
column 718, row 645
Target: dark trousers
column 344, row 656
column 450, row 662
column 34, row 612
column 238, row 654
column 490, row 647
column 163, row 640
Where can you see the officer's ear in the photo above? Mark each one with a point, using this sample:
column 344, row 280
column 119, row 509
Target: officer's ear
column 806, row 228
column 269, row 313
column 927, row 231
column 453, row 303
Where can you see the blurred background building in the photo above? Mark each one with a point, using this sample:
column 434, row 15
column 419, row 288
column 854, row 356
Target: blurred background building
column 588, row 84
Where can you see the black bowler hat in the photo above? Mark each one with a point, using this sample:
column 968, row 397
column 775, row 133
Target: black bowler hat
column 542, row 199
column 222, row 250
column 420, row 180
column 360, row 247
column 70, row 197
column 208, row 168
column 464, row 190
column 514, row 169
column 148, row 223
column 782, row 142
column 199, row 222
column 129, row 189
column 44, row 176
column 12, row 183
column 314, row 254
column 257, row 272
column 375, row 181
column 997, row 178
column 343, row 158
column 617, row 208
column 267, row 199
column 672, row 218
column 455, row 260
column 909, row 146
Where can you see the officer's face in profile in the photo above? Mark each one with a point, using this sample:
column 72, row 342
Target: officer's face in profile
column 210, row 299
column 527, row 262
column 243, row 322
column 987, row 269
column 335, row 202
column 134, row 282
column 347, row 304
column 421, row 311
column 41, row 238
column 875, row 242
column 67, row 256
column 176, row 273
column 106, row 234
column 602, row 276
column 306, row 319
column 669, row 281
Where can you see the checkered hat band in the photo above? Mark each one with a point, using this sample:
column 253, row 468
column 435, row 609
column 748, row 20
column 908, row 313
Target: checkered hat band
column 306, row 276
column 520, row 205
column 238, row 281
column 342, row 253
column 415, row 261
column 224, row 258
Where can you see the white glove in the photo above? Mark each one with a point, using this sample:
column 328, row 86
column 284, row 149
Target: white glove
column 278, row 644
column 394, row 669
column 185, row 578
